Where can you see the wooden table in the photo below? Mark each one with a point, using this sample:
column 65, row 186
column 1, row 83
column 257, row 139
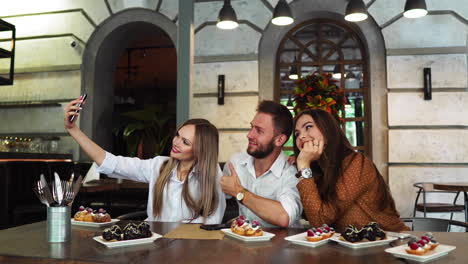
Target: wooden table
column 28, row 244
column 458, row 187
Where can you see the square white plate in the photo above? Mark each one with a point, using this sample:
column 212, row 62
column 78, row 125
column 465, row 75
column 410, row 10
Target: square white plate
column 92, row 224
column 266, row 236
column 124, row 243
column 438, row 252
column 364, row 244
column 300, row 239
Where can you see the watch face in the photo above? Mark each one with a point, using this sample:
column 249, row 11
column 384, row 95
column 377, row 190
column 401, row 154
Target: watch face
column 240, row 196
column 306, row 173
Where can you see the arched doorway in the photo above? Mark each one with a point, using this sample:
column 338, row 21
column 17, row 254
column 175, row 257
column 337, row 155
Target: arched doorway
column 305, row 10
column 101, row 55
column 331, row 47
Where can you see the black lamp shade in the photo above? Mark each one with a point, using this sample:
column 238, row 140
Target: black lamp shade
column 415, row 8
column 227, row 18
column 293, row 75
column 356, row 11
column 282, row 14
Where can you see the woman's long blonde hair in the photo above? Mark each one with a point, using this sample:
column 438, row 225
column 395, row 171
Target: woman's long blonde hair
column 206, row 164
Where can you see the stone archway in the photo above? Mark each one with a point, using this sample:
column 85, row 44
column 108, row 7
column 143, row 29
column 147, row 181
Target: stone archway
column 372, row 37
column 99, row 59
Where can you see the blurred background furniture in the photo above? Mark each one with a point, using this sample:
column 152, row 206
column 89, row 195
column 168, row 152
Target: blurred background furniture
column 432, row 224
column 425, row 188
column 19, row 172
column 455, row 187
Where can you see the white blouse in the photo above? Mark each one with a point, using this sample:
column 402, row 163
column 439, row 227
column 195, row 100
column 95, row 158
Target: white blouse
column 174, row 208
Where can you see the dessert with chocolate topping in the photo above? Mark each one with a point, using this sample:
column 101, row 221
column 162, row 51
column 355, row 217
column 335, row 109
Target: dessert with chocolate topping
column 130, row 231
column 370, row 232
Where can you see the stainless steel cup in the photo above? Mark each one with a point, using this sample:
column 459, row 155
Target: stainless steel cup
column 59, row 223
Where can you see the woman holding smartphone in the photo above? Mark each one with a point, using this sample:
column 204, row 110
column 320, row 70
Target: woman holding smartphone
column 338, row 186
column 183, row 187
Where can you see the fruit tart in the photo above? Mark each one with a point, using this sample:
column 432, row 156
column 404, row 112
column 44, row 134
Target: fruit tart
column 245, row 227
column 320, row 233
column 89, row 215
column 420, row 247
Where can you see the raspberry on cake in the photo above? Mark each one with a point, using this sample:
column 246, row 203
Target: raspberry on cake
column 425, row 244
column 245, row 227
column 320, row 233
column 90, row 215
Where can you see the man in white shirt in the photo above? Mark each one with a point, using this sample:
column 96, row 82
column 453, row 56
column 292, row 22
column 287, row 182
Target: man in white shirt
column 262, row 180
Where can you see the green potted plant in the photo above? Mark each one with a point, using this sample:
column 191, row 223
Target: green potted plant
column 319, row 91
column 145, row 131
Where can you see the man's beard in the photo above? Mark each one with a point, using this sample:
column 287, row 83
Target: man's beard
column 262, row 151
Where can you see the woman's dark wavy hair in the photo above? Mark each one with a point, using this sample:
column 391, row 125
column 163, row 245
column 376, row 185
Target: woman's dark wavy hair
column 329, row 167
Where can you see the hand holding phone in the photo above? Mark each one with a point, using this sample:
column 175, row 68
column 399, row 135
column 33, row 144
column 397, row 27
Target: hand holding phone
column 83, row 98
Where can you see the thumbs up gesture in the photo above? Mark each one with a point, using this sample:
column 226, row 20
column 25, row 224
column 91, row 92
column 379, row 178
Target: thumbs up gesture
column 231, row 184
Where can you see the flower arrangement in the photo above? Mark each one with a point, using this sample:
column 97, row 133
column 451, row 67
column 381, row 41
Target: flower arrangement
column 319, row 91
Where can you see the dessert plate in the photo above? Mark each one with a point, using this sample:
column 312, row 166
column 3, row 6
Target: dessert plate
column 438, row 252
column 364, row 244
column 266, row 236
column 93, row 224
column 300, row 239
column 125, row 243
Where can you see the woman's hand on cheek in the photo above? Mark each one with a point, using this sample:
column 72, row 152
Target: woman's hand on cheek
column 311, row 151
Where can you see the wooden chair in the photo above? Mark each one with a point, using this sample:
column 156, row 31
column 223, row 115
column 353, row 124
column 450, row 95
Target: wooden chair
column 425, row 207
column 433, row 224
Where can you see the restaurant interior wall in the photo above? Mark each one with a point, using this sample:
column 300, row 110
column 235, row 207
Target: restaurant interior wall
column 427, row 140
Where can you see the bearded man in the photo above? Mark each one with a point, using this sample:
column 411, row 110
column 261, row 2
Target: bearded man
column 261, row 179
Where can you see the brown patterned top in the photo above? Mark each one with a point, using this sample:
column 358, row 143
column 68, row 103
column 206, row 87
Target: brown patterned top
column 357, row 193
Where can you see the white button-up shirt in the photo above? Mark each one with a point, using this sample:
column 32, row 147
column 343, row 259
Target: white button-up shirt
column 174, row 208
column 278, row 183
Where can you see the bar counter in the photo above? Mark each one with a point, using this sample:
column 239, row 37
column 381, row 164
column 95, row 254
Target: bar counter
column 28, row 244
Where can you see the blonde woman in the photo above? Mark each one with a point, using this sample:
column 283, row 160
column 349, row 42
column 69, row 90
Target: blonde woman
column 183, row 187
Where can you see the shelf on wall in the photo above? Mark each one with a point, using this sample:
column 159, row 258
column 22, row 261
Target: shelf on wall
column 28, row 104
column 5, row 54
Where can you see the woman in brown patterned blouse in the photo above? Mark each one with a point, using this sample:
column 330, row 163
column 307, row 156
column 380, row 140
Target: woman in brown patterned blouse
column 345, row 187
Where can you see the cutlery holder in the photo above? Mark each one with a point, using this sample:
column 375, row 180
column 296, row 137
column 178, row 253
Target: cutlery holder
column 58, row 223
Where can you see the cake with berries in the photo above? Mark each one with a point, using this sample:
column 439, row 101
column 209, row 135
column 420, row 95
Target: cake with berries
column 89, row 215
column 320, row 233
column 246, row 227
column 370, row 232
column 420, row 247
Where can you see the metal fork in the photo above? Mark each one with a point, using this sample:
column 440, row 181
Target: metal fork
column 40, row 194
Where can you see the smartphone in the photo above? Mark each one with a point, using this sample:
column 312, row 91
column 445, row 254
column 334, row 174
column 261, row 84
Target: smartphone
column 83, row 97
column 215, row 227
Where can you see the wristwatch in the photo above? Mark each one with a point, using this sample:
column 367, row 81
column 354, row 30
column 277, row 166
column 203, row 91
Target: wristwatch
column 240, row 195
column 305, row 173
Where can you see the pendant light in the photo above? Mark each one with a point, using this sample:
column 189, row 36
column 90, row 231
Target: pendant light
column 337, row 72
column 415, row 8
column 293, row 72
column 356, row 11
column 227, row 18
column 293, row 75
column 282, row 14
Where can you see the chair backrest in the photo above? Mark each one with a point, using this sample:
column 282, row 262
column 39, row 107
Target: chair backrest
column 424, row 186
column 432, row 224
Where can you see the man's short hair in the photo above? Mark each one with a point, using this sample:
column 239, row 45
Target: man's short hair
column 282, row 118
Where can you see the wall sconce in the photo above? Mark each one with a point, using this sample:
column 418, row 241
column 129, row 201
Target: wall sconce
column 356, row 11
column 427, row 84
column 282, row 14
column 227, row 18
column 415, row 8
column 221, row 89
